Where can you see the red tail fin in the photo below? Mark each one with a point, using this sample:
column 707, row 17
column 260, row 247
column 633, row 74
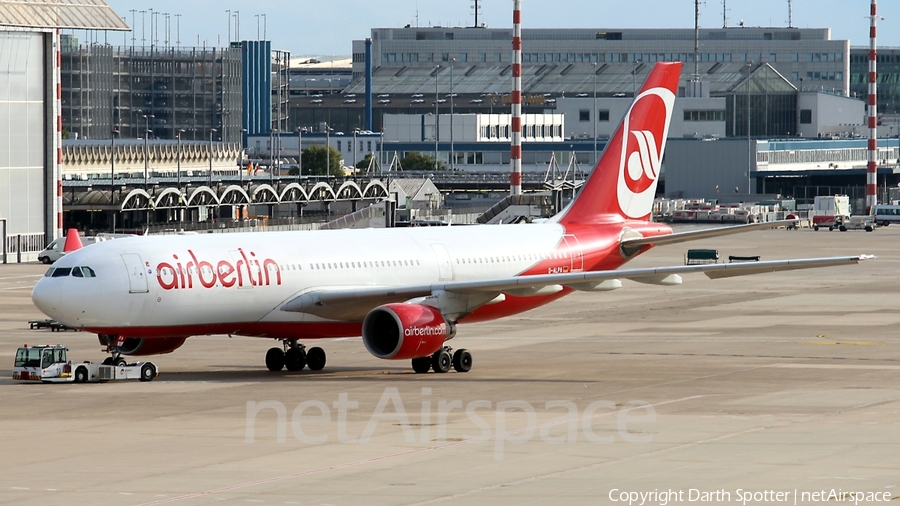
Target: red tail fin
column 623, row 183
column 73, row 241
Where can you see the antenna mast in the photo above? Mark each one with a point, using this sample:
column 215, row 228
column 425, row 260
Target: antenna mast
column 790, row 14
column 696, row 76
column 724, row 15
column 476, row 6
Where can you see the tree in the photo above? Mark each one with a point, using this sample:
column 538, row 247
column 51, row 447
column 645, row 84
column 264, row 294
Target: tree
column 314, row 161
column 364, row 163
column 417, row 161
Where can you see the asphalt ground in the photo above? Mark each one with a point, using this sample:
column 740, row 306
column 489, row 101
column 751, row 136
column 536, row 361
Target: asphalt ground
column 772, row 384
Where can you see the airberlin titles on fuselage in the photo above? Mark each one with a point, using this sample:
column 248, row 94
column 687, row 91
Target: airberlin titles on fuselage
column 246, row 271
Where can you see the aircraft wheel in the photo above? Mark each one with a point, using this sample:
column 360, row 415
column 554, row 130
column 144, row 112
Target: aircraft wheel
column 107, row 361
column 148, row 372
column 315, row 358
column 441, row 361
column 421, row 365
column 81, row 375
column 294, row 359
column 462, row 360
column 275, row 359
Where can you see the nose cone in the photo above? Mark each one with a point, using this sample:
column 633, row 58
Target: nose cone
column 46, row 296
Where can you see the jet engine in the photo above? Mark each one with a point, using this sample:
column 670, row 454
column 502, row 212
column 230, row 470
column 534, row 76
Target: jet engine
column 404, row 331
column 149, row 345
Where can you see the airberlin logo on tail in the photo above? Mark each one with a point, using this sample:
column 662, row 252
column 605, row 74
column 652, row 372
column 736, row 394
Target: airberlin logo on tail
column 644, row 141
column 246, row 271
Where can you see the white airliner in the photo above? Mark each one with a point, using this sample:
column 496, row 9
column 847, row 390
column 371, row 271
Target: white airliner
column 403, row 290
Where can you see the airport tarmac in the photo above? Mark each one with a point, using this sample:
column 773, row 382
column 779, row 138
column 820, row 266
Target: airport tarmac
column 779, row 383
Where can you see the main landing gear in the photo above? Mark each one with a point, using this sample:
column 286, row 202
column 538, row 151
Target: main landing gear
column 115, row 358
column 442, row 360
column 295, row 357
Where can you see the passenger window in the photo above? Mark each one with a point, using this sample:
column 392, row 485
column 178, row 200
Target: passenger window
column 62, row 272
column 76, row 272
column 88, row 272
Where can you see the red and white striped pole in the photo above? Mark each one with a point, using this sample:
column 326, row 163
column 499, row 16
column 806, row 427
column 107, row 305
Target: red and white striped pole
column 57, row 136
column 515, row 130
column 872, row 165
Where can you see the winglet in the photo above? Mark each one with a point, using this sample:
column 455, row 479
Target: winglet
column 73, row 241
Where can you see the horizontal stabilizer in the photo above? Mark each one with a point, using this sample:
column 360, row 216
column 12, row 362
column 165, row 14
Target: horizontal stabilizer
column 694, row 235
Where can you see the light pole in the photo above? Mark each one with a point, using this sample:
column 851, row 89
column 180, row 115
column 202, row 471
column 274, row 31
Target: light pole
column 299, row 153
column 633, row 78
column 229, row 25
column 437, row 69
column 178, row 157
column 274, row 157
column 594, row 112
column 327, row 151
column 147, row 133
column 112, row 177
column 452, row 150
column 355, row 151
column 749, row 66
column 209, row 174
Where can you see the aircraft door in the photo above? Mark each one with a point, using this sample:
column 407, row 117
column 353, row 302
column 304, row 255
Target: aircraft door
column 137, row 278
column 445, row 266
column 574, row 251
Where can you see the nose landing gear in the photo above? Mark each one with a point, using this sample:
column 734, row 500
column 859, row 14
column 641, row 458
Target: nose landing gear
column 295, row 357
column 109, row 342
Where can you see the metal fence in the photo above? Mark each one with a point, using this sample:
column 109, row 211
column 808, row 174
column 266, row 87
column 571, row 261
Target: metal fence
column 17, row 246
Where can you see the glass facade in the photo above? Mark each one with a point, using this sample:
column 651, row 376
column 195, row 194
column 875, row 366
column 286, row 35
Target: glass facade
column 770, row 101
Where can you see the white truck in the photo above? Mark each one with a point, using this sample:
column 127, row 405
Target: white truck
column 49, row 364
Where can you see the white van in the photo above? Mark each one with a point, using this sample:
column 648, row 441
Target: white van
column 54, row 252
column 885, row 214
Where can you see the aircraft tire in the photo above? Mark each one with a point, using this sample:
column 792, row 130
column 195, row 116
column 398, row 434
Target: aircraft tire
column 462, row 360
column 294, row 359
column 421, row 365
column 315, row 358
column 441, row 361
column 275, row 359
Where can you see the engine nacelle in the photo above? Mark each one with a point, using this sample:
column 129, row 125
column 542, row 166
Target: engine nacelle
column 404, row 331
column 149, row 345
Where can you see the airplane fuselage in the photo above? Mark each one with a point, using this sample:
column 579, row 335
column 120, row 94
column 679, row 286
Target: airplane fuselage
column 177, row 286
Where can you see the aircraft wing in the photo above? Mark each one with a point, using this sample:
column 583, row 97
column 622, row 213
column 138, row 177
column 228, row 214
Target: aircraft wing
column 706, row 233
column 353, row 303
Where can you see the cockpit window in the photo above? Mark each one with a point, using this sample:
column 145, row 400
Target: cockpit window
column 49, row 272
column 88, row 272
column 76, row 272
column 62, row 272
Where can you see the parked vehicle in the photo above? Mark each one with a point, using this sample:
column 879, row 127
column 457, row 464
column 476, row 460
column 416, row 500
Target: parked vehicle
column 885, row 214
column 50, row 364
